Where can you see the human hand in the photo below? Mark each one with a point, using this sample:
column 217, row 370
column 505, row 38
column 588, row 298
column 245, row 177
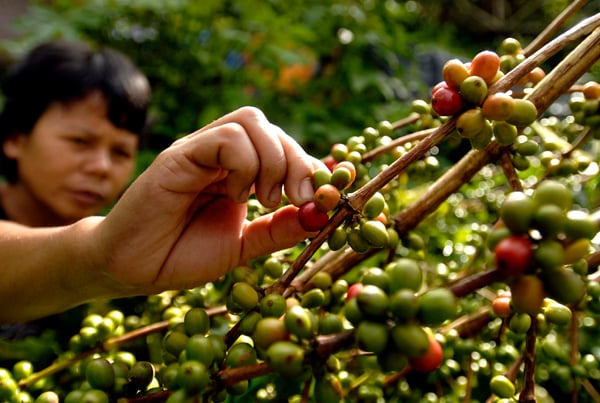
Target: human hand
column 182, row 222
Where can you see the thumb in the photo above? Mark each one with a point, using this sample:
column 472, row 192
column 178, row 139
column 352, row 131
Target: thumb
column 272, row 232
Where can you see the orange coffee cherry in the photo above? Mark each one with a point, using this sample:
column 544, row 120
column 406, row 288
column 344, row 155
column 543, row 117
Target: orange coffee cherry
column 591, row 90
column 454, row 72
column 485, row 64
column 536, row 75
column 327, row 197
column 498, row 106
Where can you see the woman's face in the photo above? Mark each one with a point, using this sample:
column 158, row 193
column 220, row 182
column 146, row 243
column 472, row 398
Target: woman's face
column 75, row 162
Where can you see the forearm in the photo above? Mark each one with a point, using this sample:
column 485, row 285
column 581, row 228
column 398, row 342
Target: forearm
column 48, row 270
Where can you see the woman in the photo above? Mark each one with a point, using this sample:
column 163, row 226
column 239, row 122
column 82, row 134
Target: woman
column 180, row 224
column 70, row 130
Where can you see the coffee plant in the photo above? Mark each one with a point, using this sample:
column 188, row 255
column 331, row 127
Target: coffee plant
column 477, row 283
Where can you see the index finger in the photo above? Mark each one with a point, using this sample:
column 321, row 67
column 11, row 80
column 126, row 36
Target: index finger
column 265, row 137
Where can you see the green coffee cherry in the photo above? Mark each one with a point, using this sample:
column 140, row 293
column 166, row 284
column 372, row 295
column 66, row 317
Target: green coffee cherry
column 410, row 339
column 22, row 369
column 376, row 276
column 374, row 206
column 524, row 113
column 375, row 233
column 196, row 321
column 272, row 305
column 240, row 355
column 580, row 225
column 352, row 312
column 558, row 314
column 100, row 374
column 517, row 212
column 321, row 280
column 404, row 304
column 268, row 331
column 47, row 397
column 549, row 254
column 470, row 123
column 550, row 220
column 520, row 323
column 174, row 342
column 473, row 90
column 273, row 267
column 357, row 242
column 404, row 273
column 373, row 301
column 140, row 375
column 244, row 295
column 564, row 286
column 330, row 323
column 528, row 147
column 553, row 192
column 95, row 396
column 321, row 177
column 505, row 133
column 371, row 336
column 199, row 348
column 298, row 322
column 502, row 387
column 313, row 298
column 436, row 306
column 337, row 239
column 286, row 358
column 327, row 388
column 193, row 376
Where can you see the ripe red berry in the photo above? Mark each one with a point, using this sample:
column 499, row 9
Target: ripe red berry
column 514, row 255
column 311, row 219
column 431, row 360
column 440, row 85
column 329, row 162
column 354, row 290
column 446, row 101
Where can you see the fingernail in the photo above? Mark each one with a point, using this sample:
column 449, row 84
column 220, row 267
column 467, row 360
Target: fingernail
column 275, row 195
column 306, row 189
column 243, row 197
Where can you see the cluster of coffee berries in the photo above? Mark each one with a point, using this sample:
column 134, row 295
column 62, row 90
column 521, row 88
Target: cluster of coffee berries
column 511, row 55
column 481, row 116
column 389, row 311
column 9, row 382
column 328, row 187
column 550, row 313
column 111, row 376
column 427, row 119
column 370, row 228
column 191, row 352
column 548, row 142
column 585, row 106
column 95, row 328
column 542, row 245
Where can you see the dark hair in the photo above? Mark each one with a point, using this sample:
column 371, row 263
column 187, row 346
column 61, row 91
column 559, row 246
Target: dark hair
column 63, row 71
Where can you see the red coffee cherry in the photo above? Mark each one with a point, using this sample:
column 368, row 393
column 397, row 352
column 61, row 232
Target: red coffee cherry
column 514, row 255
column 431, row 360
column 311, row 218
column 446, row 101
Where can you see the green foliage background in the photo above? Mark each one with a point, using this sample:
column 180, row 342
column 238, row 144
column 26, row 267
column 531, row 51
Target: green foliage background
column 360, row 61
